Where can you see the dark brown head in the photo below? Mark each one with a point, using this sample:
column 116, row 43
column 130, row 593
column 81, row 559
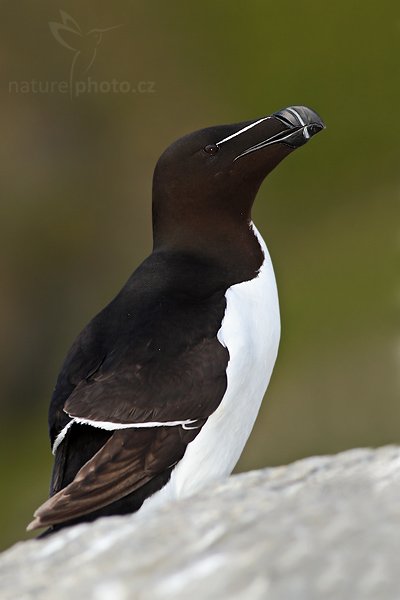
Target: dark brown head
column 205, row 183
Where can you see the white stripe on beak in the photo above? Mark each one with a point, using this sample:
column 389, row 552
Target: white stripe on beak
column 296, row 114
column 302, row 122
column 242, row 130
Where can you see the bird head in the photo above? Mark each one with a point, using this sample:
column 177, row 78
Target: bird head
column 215, row 173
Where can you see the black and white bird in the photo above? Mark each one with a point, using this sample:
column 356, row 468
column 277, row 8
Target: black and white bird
column 159, row 393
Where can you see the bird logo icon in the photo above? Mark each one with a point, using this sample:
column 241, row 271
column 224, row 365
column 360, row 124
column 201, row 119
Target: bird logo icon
column 83, row 44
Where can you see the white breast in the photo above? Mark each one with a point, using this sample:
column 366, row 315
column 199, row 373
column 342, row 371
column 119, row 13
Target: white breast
column 250, row 330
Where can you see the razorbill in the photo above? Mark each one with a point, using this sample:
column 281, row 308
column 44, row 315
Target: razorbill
column 159, row 393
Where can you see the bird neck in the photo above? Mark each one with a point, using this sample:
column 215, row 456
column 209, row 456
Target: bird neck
column 223, row 240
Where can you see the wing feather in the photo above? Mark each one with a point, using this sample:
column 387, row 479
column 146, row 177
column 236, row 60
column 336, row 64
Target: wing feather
column 125, row 463
column 151, row 356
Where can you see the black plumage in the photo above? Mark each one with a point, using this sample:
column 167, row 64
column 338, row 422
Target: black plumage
column 152, row 357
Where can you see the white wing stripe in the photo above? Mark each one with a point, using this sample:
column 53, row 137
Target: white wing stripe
column 61, row 436
column 107, row 425
column 112, row 426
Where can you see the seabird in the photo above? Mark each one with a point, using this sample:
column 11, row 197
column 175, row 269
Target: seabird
column 159, row 392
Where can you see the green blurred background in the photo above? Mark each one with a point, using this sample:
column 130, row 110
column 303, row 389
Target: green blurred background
column 76, row 192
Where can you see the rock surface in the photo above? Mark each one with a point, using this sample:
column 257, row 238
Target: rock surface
column 321, row 528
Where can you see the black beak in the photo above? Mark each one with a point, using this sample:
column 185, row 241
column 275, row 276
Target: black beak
column 301, row 124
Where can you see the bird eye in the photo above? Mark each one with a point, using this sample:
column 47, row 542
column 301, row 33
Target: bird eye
column 211, row 149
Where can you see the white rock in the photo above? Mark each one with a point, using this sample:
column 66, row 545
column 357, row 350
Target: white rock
column 321, row 528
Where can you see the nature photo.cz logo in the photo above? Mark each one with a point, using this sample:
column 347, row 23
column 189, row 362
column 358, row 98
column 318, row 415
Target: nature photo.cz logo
column 83, row 46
